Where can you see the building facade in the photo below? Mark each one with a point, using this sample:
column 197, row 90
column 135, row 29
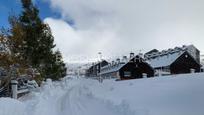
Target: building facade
column 94, row 69
column 184, row 59
column 132, row 68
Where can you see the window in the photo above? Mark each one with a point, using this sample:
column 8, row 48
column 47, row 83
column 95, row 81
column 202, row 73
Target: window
column 166, row 69
column 136, row 65
column 127, row 73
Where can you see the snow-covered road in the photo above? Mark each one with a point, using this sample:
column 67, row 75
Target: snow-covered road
column 177, row 95
column 60, row 98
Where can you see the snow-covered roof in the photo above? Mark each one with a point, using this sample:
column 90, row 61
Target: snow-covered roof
column 112, row 68
column 166, row 57
column 118, row 65
column 164, row 60
column 189, row 48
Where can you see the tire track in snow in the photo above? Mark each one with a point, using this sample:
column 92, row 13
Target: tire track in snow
column 78, row 100
column 73, row 99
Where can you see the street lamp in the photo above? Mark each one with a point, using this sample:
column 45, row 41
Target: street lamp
column 99, row 68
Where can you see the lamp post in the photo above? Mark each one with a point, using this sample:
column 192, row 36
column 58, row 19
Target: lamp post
column 202, row 63
column 99, row 68
column 79, row 68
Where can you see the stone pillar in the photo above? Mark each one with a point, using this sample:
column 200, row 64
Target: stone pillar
column 192, row 70
column 159, row 73
column 14, row 88
column 144, row 75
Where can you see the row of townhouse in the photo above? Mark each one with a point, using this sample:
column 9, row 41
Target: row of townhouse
column 185, row 59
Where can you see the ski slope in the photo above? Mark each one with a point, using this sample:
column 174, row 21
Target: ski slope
column 169, row 95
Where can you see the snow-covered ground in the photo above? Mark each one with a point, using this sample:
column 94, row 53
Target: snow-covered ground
column 170, row 95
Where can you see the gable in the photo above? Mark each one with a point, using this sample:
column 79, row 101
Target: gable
column 186, row 57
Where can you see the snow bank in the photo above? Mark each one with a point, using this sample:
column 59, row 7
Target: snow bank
column 177, row 95
column 11, row 107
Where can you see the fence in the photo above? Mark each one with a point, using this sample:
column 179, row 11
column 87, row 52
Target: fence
column 15, row 91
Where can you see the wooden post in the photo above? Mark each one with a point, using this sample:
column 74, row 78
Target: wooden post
column 14, row 88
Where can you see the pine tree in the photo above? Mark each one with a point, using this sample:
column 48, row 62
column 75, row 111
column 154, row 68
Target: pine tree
column 61, row 67
column 38, row 39
column 16, row 41
column 56, row 68
column 32, row 42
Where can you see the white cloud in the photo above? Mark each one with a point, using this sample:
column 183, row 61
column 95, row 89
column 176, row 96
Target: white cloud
column 79, row 45
column 118, row 26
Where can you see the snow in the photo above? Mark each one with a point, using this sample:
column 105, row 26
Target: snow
column 181, row 95
column 165, row 60
column 167, row 57
column 11, row 107
column 113, row 68
column 169, row 95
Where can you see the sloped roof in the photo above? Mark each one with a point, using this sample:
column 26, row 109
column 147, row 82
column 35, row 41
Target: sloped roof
column 164, row 60
column 189, row 48
column 97, row 63
column 116, row 67
column 113, row 68
column 151, row 51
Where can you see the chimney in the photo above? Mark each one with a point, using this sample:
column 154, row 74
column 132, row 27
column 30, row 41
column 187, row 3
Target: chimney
column 184, row 46
column 118, row 60
column 131, row 55
column 109, row 64
column 112, row 63
column 124, row 59
column 141, row 55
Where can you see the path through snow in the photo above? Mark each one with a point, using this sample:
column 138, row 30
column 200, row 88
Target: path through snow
column 63, row 99
column 177, row 95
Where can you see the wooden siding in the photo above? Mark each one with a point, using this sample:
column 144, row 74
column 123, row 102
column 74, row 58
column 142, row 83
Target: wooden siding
column 136, row 67
column 183, row 64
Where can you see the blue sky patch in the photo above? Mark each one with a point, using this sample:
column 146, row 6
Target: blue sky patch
column 14, row 6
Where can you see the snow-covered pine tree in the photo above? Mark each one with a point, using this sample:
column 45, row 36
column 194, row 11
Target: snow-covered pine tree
column 32, row 41
column 16, row 42
column 5, row 57
column 39, row 42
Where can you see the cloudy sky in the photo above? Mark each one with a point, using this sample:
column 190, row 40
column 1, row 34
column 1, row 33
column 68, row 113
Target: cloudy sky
column 82, row 28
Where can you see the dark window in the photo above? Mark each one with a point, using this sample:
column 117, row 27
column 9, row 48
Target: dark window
column 127, row 73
